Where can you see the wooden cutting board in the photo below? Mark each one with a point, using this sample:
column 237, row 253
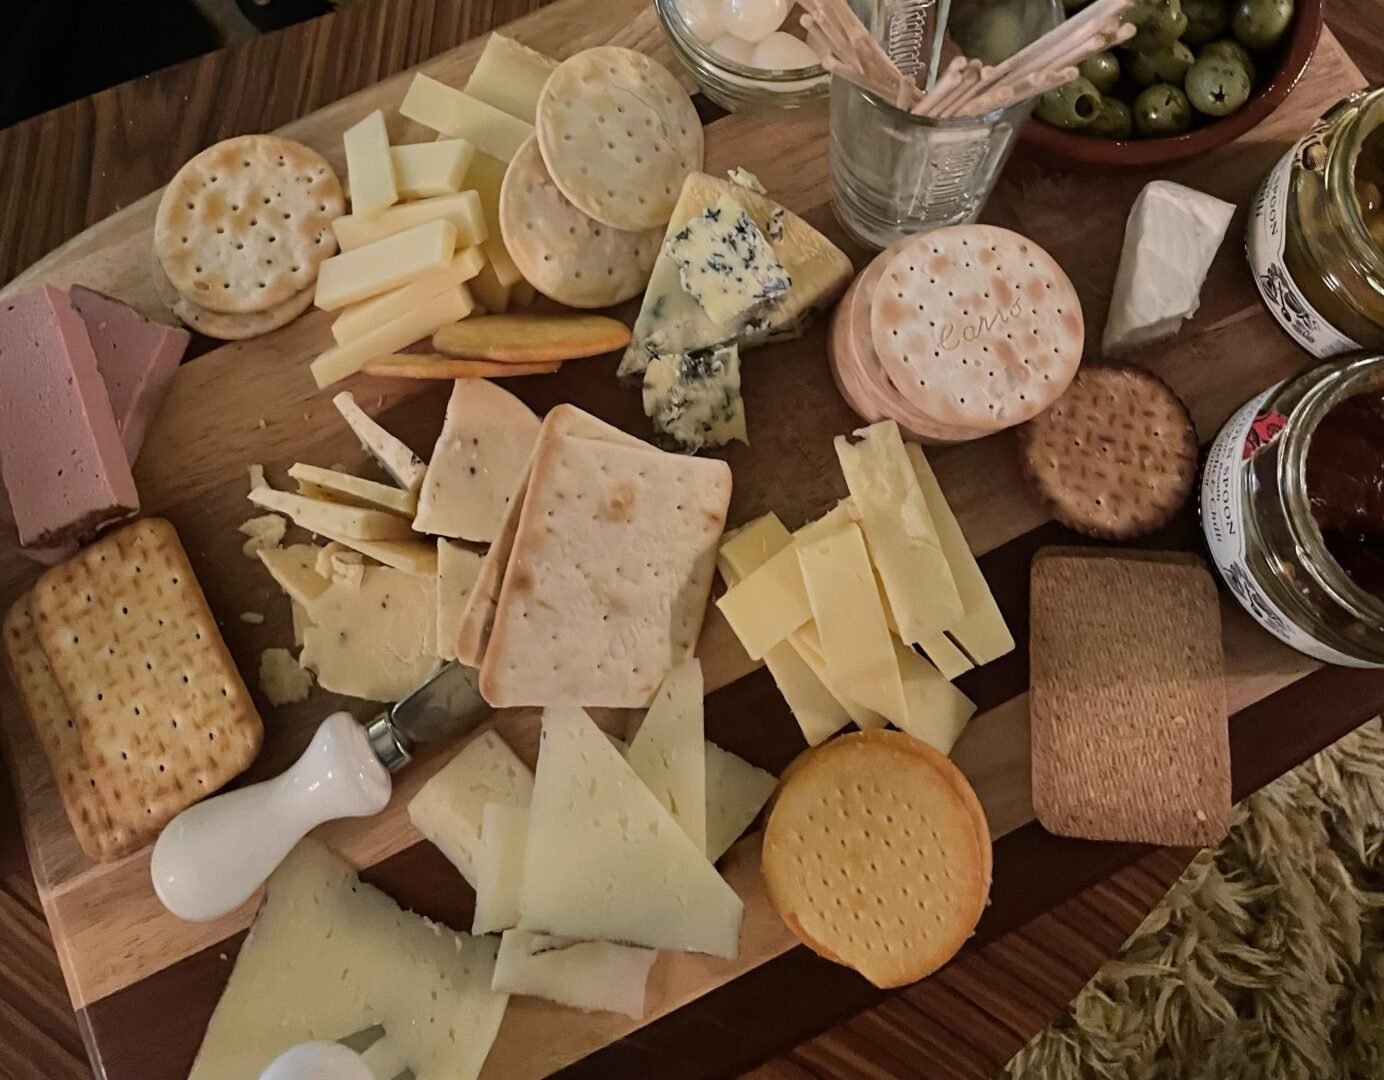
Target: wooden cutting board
column 145, row 983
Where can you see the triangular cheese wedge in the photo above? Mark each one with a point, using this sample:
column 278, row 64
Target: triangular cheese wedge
column 672, row 322
column 736, row 791
column 606, row 862
column 668, row 749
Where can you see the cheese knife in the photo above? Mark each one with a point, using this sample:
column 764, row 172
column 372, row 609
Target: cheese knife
column 214, row 855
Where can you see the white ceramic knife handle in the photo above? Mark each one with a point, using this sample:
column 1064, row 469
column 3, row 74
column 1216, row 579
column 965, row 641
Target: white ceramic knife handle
column 214, row 855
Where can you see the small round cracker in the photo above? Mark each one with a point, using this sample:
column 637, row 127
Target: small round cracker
column 531, row 339
column 977, row 326
column 874, row 858
column 245, row 224
column 619, row 135
column 566, row 254
column 1115, row 457
column 216, row 324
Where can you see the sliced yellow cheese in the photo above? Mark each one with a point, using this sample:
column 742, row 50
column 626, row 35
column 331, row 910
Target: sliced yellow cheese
column 415, row 557
column 463, row 209
column 981, row 630
column 329, row 484
column 457, row 570
column 369, row 167
column 510, row 77
column 489, row 293
column 767, row 606
column 935, row 711
column 386, row 264
column 486, row 176
column 406, row 467
column 292, row 570
column 807, row 643
column 748, row 548
column 341, row 361
column 500, row 867
column 835, row 519
column 423, row 170
column 357, row 320
column 316, row 515
column 856, row 643
column 458, row 115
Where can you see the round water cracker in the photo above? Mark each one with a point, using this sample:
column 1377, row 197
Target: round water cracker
column 563, row 253
column 245, row 224
column 873, row 857
column 1115, row 457
column 216, row 324
column 619, row 135
column 977, row 326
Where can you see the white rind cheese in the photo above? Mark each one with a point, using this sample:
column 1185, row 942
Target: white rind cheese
column 667, row 751
column 592, row 975
column 694, row 398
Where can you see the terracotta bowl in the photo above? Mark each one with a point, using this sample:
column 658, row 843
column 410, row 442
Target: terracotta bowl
column 1293, row 54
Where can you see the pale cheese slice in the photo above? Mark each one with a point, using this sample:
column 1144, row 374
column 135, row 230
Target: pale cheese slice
column 427, row 318
column 315, row 482
column 329, row 956
column 487, row 176
column 425, row 170
column 460, row 116
column 490, row 293
column 282, row 679
column 457, row 570
column 369, row 168
column 463, row 209
column 981, row 630
column 486, row 440
column 510, row 77
column 449, row 809
column 856, row 643
column 746, row 549
column 318, row 516
column 375, row 640
column 357, row 320
column 606, row 861
column 592, row 975
column 668, row 750
column 417, row 558
column 935, row 711
column 301, row 622
column 899, row 531
column 401, row 463
column 292, row 569
column 807, row 643
column 386, row 264
column 500, row 867
column 263, row 532
column 736, row 792
column 767, row 606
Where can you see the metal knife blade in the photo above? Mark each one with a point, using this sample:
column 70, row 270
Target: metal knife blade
column 447, row 705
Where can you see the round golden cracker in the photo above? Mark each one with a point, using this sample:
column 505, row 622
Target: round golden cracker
column 566, row 254
column 977, row 326
column 245, row 224
column 215, row 324
column 873, row 857
column 531, row 339
column 1115, row 457
column 619, row 135
column 435, row 366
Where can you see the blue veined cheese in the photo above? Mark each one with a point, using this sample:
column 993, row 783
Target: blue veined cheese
column 694, row 399
column 773, row 228
column 725, row 263
column 670, row 321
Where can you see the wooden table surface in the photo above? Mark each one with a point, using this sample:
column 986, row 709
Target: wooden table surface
column 62, row 172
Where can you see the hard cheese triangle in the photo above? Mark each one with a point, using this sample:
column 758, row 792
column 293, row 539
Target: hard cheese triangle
column 328, row 957
column 667, row 750
column 736, row 792
column 671, row 321
column 606, row 861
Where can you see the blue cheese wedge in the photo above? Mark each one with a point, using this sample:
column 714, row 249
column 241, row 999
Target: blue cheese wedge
column 725, row 263
column 671, row 321
column 694, row 399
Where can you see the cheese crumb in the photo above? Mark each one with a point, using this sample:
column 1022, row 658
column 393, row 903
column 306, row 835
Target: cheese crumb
column 254, row 618
column 257, row 479
column 281, row 678
column 266, row 531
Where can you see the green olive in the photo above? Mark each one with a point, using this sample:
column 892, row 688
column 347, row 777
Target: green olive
column 1217, row 86
column 1160, row 22
column 1162, row 110
column 996, row 35
column 1103, row 70
column 1206, row 20
column 1072, row 105
column 1166, row 65
column 1114, row 121
column 1231, row 49
column 1258, row 24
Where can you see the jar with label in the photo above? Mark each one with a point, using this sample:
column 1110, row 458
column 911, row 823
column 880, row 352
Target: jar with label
column 1292, row 504
column 1315, row 237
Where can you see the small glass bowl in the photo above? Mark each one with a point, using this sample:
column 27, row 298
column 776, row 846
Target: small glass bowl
column 735, row 87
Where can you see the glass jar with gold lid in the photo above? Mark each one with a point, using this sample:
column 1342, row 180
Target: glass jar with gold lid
column 1315, row 237
column 1292, row 505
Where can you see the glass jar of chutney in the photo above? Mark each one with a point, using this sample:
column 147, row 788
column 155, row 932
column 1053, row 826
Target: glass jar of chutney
column 1292, row 505
column 1315, row 237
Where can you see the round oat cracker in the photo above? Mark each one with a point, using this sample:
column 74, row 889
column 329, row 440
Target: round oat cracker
column 216, row 324
column 1115, row 457
column 977, row 326
column 565, row 254
column 619, row 135
column 875, row 858
column 245, row 224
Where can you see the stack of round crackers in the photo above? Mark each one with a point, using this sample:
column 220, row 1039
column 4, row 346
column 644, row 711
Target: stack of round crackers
column 241, row 232
column 877, row 855
column 957, row 334
column 585, row 202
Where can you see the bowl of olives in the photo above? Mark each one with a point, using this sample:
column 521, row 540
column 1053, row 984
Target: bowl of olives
column 1198, row 74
